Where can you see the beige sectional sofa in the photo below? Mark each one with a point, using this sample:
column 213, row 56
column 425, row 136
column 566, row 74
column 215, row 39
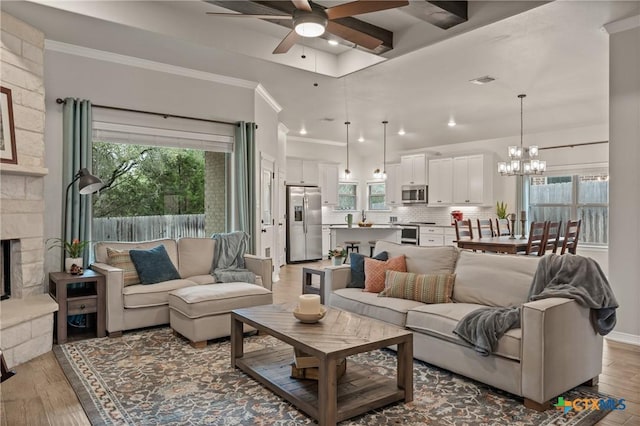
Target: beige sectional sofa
column 139, row 305
column 554, row 350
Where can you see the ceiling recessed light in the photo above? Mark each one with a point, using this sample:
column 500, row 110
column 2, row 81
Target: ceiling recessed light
column 333, row 42
column 482, row 80
column 360, row 139
column 303, row 131
column 401, row 132
column 451, row 123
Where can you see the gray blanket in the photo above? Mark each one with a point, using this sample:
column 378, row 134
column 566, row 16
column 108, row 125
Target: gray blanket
column 569, row 276
column 228, row 264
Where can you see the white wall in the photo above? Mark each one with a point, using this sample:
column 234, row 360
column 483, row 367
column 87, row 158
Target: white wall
column 624, row 196
column 115, row 84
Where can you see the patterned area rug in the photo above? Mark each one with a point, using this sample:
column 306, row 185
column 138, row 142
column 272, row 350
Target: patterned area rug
column 152, row 377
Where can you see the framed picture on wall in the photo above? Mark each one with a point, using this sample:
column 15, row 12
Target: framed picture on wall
column 7, row 131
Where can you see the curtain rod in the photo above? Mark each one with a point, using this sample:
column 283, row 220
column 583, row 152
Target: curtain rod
column 61, row 101
column 573, row 145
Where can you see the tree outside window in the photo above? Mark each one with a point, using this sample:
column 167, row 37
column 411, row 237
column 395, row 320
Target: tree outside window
column 347, row 196
column 376, row 196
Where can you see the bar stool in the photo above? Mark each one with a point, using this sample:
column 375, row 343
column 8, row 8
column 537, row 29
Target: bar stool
column 352, row 246
column 372, row 245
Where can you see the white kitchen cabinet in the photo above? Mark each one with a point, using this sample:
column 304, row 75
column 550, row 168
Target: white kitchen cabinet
column 393, row 190
column 329, row 183
column 440, row 181
column 302, row 172
column 473, row 179
column 326, row 240
column 450, row 237
column 413, row 169
column 431, row 236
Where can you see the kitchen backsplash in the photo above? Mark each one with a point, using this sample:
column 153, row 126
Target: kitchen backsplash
column 440, row 215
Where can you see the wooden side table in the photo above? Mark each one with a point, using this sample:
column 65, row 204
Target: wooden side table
column 86, row 300
column 307, row 288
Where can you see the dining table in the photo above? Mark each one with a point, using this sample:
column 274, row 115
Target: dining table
column 500, row 244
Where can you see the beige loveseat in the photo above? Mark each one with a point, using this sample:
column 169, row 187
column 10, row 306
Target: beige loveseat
column 554, row 350
column 139, row 305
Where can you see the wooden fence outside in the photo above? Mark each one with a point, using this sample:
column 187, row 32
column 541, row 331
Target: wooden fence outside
column 144, row 228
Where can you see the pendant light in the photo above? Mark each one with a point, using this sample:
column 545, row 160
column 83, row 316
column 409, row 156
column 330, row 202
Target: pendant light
column 522, row 161
column 347, row 172
column 377, row 173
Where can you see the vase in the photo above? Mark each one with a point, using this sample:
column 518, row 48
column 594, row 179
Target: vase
column 337, row 261
column 69, row 261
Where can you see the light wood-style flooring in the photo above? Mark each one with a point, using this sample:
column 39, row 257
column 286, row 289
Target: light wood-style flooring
column 41, row 395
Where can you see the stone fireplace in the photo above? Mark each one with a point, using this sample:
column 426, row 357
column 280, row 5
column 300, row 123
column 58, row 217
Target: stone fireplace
column 26, row 317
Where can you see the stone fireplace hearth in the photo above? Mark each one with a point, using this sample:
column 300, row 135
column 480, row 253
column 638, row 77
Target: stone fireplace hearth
column 26, row 318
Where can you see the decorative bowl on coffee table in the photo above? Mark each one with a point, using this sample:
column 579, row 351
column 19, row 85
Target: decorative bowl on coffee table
column 310, row 318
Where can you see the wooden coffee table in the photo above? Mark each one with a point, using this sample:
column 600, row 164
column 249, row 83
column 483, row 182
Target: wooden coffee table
column 337, row 336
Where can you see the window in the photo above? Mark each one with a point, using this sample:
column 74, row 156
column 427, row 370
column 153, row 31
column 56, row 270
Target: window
column 376, row 196
column 573, row 196
column 347, row 196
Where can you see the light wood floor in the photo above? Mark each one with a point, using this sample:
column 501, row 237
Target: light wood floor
column 40, row 395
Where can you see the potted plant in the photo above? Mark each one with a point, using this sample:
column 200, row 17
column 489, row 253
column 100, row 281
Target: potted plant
column 337, row 254
column 501, row 210
column 73, row 249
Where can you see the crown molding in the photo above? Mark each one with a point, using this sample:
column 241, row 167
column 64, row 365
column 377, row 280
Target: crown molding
column 311, row 140
column 283, row 128
column 622, row 24
column 102, row 55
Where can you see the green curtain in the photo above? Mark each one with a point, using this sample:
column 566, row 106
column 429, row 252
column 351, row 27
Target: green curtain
column 245, row 181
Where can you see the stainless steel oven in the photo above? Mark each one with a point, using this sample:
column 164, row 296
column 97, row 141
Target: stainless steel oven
column 410, row 234
column 415, row 194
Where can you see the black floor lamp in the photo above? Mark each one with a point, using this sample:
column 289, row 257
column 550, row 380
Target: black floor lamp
column 87, row 184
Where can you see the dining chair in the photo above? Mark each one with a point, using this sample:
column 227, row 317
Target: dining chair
column 485, row 228
column 502, row 227
column 553, row 236
column 536, row 243
column 571, row 235
column 463, row 229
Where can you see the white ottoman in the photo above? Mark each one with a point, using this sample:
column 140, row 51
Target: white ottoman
column 202, row 312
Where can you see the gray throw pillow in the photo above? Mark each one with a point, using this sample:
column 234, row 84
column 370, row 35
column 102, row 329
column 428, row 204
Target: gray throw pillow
column 357, row 267
column 154, row 265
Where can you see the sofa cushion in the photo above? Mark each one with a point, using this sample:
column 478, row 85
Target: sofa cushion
column 141, row 296
column 170, row 245
column 375, row 272
column 422, row 260
column 439, row 320
column 154, row 265
column 420, row 287
column 356, row 263
column 391, row 310
column 215, row 299
column 203, row 279
column 493, row 279
column 122, row 260
column 195, row 256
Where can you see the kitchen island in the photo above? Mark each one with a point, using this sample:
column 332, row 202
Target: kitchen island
column 364, row 234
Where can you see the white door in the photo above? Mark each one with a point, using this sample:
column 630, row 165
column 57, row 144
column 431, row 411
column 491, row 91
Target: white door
column 267, row 219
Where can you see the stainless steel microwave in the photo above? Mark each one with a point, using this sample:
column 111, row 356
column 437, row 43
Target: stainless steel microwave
column 415, row 194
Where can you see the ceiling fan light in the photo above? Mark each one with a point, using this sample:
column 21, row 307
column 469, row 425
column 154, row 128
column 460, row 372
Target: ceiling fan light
column 309, row 24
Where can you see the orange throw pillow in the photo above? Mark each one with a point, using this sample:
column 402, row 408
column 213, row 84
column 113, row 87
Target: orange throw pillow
column 375, row 272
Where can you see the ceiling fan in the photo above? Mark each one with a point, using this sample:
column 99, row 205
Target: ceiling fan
column 312, row 20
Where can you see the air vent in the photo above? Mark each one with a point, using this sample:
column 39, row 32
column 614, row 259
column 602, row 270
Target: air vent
column 482, row 80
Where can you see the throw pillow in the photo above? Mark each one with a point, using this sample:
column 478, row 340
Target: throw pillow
column 435, row 288
column 375, row 271
column 356, row 261
column 121, row 259
column 154, row 265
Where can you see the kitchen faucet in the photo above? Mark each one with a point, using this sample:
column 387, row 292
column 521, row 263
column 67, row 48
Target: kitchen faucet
column 364, row 217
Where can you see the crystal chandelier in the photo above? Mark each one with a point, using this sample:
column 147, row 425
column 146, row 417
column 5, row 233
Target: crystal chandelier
column 522, row 160
column 377, row 173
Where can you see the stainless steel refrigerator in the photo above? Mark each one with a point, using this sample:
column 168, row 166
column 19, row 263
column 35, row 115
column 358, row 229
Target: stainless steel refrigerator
column 304, row 224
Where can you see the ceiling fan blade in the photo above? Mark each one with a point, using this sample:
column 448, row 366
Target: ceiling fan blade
column 302, row 5
column 286, row 43
column 354, row 36
column 360, row 7
column 242, row 15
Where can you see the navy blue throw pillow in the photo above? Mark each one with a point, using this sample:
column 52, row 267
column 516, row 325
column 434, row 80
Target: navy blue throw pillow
column 153, row 265
column 357, row 267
